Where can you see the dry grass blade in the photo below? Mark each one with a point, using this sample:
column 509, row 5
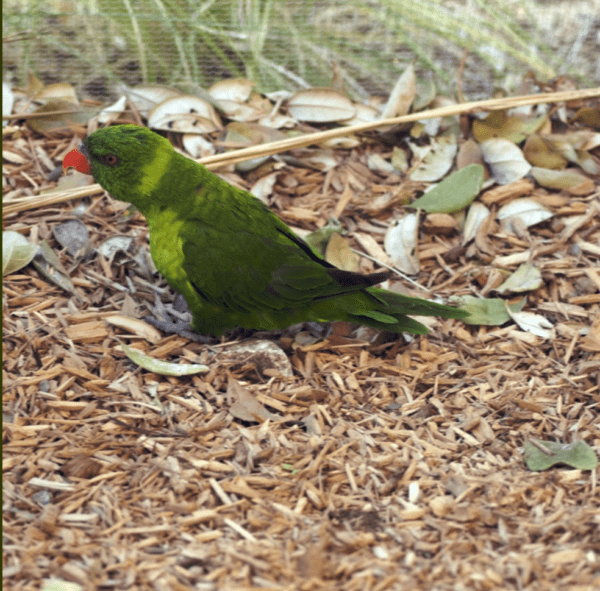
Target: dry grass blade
column 474, row 106
column 226, row 158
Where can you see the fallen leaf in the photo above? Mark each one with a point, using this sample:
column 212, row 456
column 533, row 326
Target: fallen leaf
column 560, row 179
column 263, row 187
column 197, row 146
column 400, row 244
column 147, row 96
column 538, row 153
column 528, row 211
column 47, row 263
column 506, row 161
column 402, row 95
column 498, row 124
column 363, row 114
column 163, row 368
column 185, row 113
column 486, row 311
column 469, row 153
column 232, row 89
column 477, row 214
column 115, row 244
column 526, row 278
column 17, row 252
column 442, row 224
column 8, row 100
column 57, row 91
column 339, row 254
column 399, row 159
column 251, row 134
column 60, row 585
column 72, row 235
column 319, row 239
column 578, row 455
column 61, row 114
column 533, row 323
column 437, row 159
column 245, row 406
column 135, row 326
column 377, row 162
column 589, row 116
column 454, row 193
column 112, row 112
column 320, row 105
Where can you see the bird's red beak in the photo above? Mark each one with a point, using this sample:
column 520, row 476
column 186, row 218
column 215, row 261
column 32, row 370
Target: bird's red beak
column 75, row 159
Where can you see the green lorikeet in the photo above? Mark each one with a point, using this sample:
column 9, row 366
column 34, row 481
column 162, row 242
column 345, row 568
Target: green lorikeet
column 233, row 260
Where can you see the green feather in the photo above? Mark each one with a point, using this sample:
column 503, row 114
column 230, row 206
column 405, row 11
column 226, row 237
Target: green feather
column 232, row 259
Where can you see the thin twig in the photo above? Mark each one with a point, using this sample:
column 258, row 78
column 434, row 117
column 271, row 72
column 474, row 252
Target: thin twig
column 393, row 269
column 541, row 447
column 218, row 160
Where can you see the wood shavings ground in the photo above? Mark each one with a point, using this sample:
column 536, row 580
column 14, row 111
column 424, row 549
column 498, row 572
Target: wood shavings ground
column 398, row 465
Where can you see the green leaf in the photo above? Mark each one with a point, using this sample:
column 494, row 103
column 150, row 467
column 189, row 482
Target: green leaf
column 454, row 192
column 17, row 252
column 163, row 368
column 577, row 455
column 60, row 585
column 319, row 239
column 486, row 312
column 290, row 468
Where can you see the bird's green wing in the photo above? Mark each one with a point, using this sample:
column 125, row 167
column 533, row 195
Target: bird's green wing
column 259, row 267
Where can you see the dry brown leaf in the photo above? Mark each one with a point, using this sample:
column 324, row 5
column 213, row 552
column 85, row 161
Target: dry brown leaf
column 245, row 406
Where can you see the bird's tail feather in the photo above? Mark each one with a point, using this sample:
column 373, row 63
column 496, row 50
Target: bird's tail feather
column 403, row 304
column 391, row 312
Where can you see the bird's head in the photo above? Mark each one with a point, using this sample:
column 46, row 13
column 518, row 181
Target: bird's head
column 126, row 160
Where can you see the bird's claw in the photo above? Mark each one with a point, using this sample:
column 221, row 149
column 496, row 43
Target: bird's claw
column 181, row 329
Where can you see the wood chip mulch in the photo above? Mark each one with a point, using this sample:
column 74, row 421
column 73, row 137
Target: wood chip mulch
column 392, row 466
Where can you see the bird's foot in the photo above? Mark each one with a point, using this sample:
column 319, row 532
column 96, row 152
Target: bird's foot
column 313, row 330
column 180, row 328
column 175, row 319
column 240, row 334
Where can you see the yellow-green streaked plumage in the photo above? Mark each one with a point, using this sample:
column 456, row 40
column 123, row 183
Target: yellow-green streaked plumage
column 234, row 261
column 153, row 172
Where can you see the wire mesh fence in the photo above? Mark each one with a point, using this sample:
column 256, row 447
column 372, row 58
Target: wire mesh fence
column 101, row 45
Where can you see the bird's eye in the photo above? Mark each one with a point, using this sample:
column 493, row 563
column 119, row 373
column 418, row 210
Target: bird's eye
column 110, row 159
